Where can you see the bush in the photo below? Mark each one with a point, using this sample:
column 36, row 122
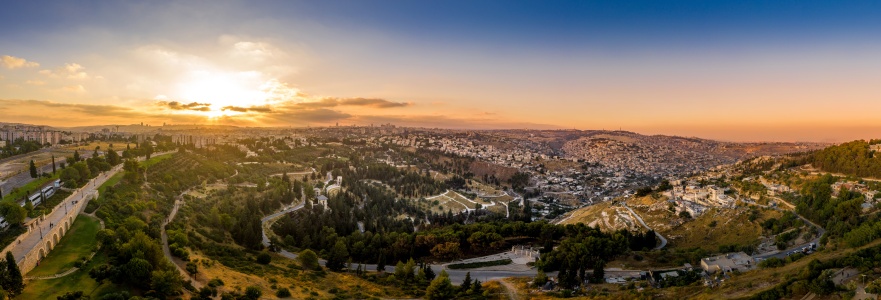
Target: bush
column 253, row 293
column 500, row 262
column 283, row 293
column 264, row 258
column 215, row 282
column 71, row 296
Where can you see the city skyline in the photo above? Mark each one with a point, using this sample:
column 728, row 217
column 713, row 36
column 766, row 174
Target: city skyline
column 739, row 71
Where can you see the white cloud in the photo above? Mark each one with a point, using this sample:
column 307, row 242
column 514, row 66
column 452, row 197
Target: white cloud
column 12, row 62
column 69, row 71
column 75, row 88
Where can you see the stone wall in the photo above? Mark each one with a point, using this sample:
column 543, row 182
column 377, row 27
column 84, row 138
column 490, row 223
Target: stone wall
column 53, row 235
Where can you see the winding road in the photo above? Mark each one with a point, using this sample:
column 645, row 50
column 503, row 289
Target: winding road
column 638, row 218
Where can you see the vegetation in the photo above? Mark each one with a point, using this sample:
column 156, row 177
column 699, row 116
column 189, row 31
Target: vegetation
column 853, row 158
column 72, row 249
column 19, row 146
column 481, row 264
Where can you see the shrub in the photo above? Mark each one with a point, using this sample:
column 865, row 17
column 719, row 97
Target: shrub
column 283, row 293
column 264, row 258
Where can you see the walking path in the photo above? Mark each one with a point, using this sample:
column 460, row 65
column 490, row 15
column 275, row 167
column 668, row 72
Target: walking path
column 74, row 269
column 509, row 289
column 34, row 237
column 178, row 201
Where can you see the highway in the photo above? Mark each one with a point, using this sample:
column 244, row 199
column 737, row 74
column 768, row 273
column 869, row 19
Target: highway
column 24, row 177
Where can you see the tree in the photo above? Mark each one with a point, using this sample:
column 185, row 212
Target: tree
column 70, row 176
column 53, row 164
column 685, row 215
column 12, row 213
column 113, row 157
column 440, row 288
column 380, row 263
column 76, row 156
column 33, row 170
column 540, row 278
column 338, row 254
column 28, row 206
column 466, row 284
column 309, row 260
column 166, row 283
column 253, row 293
column 476, row 287
column 192, row 268
column 429, row 273
column 138, row 270
column 13, row 283
column 400, row 271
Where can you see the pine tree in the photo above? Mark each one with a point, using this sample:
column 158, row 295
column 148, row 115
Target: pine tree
column 53, row 164
column 429, row 273
column 466, row 284
column 76, row 156
column 338, row 255
column 476, row 287
column 410, row 268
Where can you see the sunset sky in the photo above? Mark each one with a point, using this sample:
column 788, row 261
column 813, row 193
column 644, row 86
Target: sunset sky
column 729, row 70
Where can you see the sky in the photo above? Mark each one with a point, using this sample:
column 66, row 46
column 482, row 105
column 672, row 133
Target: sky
column 727, row 70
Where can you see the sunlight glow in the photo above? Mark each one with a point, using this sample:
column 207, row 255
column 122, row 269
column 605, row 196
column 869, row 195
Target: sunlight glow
column 223, row 89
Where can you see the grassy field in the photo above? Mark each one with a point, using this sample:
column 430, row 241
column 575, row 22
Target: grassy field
column 604, row 215
column 732, row 227
column 80, row 242
column 450, row 201
column 302, row 284
column 155, row 159
column 77, row 281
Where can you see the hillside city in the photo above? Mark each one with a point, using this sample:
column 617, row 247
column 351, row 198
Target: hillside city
column 687, row 215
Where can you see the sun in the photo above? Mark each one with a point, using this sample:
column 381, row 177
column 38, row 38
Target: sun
column 222, row 90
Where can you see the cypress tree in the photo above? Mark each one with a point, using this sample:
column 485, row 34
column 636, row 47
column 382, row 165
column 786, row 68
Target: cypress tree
column 33, row 169
column 14, row 283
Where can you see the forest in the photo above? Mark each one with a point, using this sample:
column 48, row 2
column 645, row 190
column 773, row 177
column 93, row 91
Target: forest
column 853, row 158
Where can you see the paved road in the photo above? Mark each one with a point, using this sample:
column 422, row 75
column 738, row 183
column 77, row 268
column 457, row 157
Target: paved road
column 638, row 218
column 784, row 253
column 24, row 177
